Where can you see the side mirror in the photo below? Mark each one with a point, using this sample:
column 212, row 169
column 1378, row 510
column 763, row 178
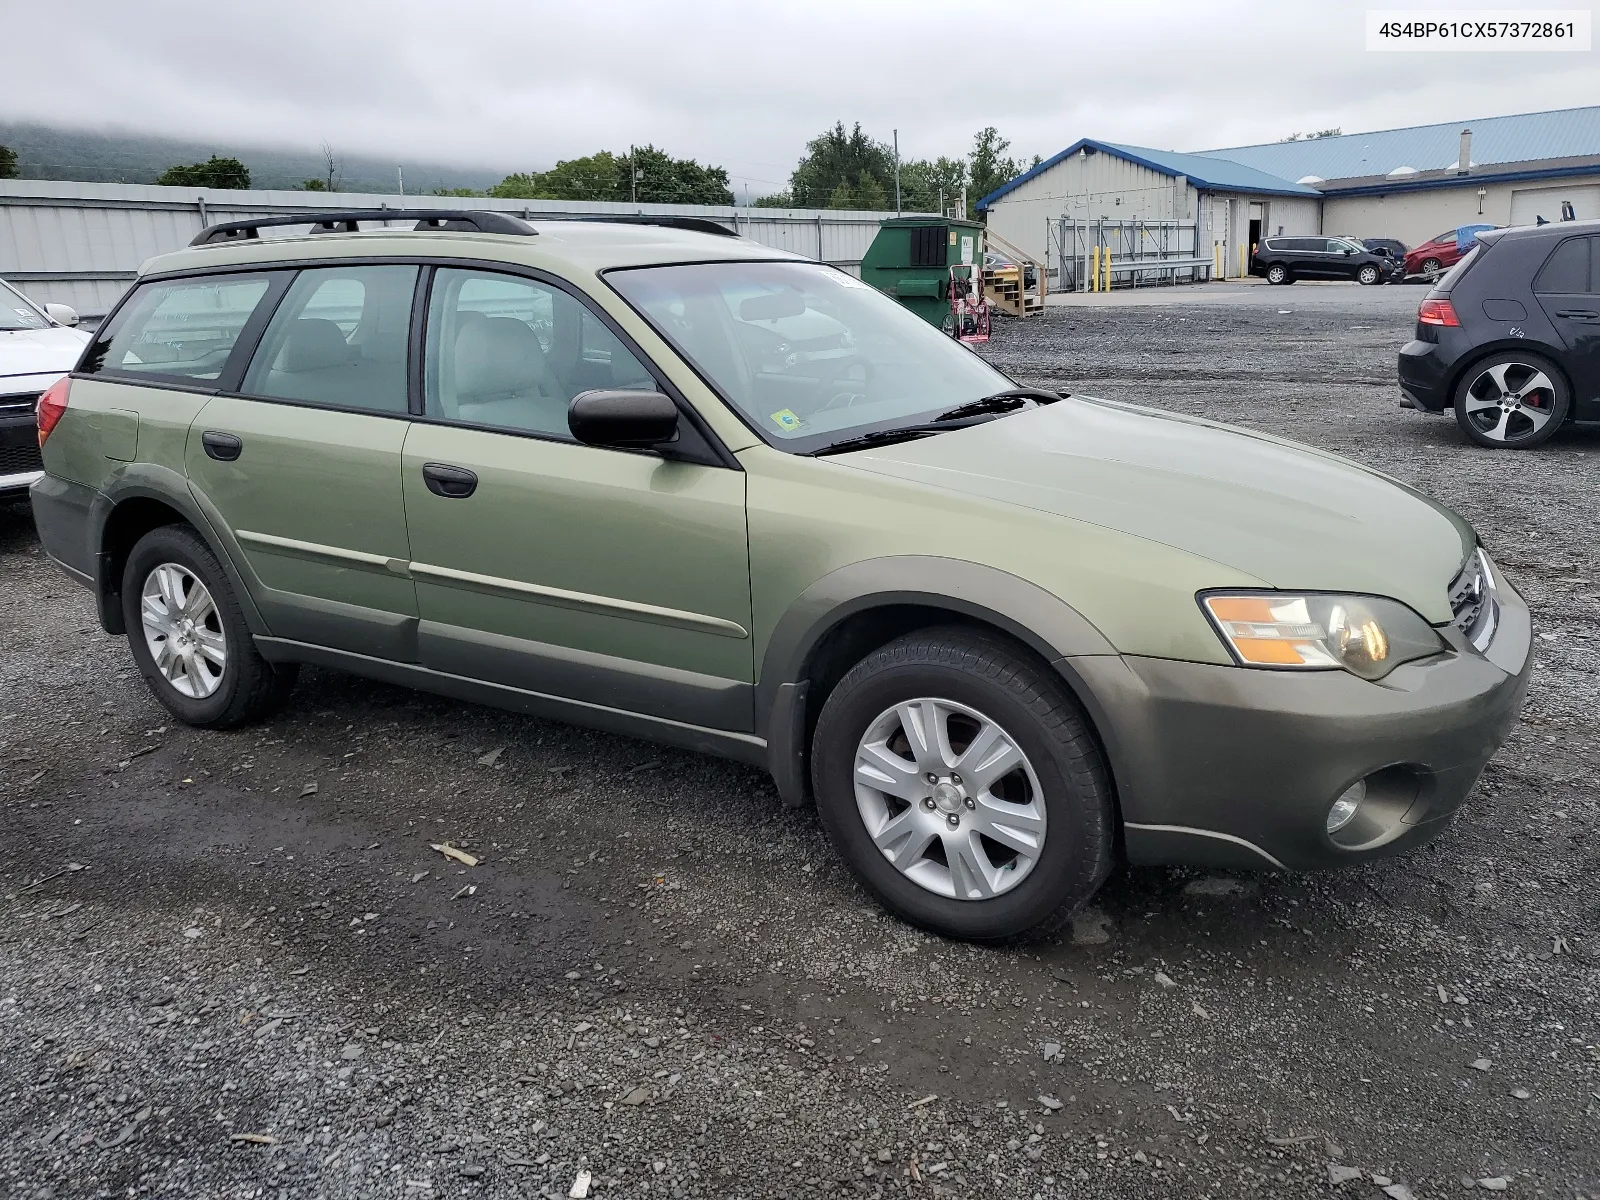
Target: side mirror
column 1348, row 251
column 625, row 420
column 62, row 314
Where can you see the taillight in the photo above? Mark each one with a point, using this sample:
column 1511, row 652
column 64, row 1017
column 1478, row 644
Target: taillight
column 51, row 405
column 1438, row 312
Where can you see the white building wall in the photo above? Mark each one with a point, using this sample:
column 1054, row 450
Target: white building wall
column 1414, row 217
column 81, row 243
column 1088, row 188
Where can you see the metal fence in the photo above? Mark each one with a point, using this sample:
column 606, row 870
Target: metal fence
column 1141, row 253
column 82, row 243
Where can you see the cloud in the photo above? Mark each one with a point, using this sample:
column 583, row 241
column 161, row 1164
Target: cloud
column 518, row 85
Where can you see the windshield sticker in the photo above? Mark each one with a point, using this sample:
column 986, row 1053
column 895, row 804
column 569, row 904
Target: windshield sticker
column 786, row 420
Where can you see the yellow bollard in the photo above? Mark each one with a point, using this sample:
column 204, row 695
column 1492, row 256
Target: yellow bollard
column 1216, row 260
column 1244, row 265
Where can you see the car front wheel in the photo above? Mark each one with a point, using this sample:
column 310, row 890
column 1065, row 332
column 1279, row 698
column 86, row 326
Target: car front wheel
column 1278, row 273
column 1368, row 275
column 1432, row 268
column 958, row 779
column 189, row 636
column 1512, row 401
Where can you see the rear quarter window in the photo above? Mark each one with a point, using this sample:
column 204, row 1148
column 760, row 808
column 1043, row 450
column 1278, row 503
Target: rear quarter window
column 178, row 329
column 1566, row 271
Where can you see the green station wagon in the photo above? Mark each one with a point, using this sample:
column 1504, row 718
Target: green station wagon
column 654, row 478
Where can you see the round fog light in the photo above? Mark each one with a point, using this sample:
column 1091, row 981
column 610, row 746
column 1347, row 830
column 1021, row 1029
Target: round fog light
column 1344, row 808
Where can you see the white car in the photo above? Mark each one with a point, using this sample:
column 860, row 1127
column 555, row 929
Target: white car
column 38, row 345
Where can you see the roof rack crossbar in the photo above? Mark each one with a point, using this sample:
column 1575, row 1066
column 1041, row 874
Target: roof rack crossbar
column 466, row 220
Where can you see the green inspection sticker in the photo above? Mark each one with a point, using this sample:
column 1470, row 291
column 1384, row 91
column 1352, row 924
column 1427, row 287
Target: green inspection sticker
column 786, row 420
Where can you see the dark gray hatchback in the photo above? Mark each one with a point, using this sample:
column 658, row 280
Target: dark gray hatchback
column 1510, row 337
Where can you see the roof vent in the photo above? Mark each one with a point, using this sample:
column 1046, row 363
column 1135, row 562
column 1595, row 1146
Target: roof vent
column 1311, row 180
column 1402, row 172
column 1464, row 162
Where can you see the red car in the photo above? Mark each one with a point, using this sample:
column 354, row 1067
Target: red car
column 1439, row 254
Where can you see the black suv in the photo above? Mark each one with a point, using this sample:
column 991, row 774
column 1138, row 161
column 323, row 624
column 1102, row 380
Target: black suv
column 1285, row 259
column 1510, row 337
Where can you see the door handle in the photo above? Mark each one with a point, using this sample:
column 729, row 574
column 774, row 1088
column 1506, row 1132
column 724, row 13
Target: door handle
column 453, row 483
column 224, row 447
column 1578, row 314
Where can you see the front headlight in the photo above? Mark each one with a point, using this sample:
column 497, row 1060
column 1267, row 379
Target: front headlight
column 1365, row 635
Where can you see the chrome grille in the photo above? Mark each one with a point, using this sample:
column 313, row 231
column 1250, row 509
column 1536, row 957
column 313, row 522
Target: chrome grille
column 1474, row 609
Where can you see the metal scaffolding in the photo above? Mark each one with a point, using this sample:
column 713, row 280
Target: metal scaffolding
column 1096, row 255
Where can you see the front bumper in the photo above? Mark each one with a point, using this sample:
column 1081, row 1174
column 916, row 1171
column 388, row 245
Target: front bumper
column 1232, row 767
column 20, row 464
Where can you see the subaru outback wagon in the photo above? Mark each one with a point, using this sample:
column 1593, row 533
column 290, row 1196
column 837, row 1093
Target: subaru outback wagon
column 999, row 636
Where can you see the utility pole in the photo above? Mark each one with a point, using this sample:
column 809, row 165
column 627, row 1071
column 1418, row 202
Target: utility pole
column 897, row 172
column 633, row 176
column 400, row 178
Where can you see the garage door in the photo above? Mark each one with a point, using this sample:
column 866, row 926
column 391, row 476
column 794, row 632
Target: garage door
column 1529, row 205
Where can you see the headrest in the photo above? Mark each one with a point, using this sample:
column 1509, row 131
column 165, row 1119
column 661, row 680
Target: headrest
column 312, row 345
column 497, row 355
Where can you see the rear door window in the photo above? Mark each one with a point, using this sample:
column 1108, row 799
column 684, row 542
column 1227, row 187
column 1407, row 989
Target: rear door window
column 339, row 339
column 178, row 329
column 1567, row 271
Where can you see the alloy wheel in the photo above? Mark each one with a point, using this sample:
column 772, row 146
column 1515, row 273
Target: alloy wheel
column 1509, row 402
column 1432, row 268
column 949, row 798
column 183, row 630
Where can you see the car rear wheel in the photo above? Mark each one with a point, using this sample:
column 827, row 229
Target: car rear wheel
column 1368, row 275
column 1512, row 401
column 1432, row 268
column 957, row 778
column 1278, row 273
column 189, row 637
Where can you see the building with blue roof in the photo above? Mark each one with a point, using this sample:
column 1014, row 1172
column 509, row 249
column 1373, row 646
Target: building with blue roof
column 1409, row 184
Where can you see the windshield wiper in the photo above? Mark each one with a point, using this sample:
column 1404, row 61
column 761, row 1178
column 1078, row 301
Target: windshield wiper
column 1000, row 402
column 901, row 433
column 974, row 412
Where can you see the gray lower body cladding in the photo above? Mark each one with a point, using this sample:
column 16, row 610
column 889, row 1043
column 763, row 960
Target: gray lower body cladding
column 1229, row 767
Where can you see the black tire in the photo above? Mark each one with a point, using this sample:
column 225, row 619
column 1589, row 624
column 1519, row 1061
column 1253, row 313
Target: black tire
column 1369, row 275
column 251, row 687
column 1431, row 268
column 1278, row 273
column 1005, row 684
column 1480, row 424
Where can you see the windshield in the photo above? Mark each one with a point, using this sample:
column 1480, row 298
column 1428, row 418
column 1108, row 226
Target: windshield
column 806, row 353
column 18, row 313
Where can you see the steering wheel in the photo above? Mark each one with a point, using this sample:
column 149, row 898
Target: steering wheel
column 829, row 376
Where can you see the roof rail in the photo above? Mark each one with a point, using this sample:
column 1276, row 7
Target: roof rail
column 470, row 220
column 665, row 220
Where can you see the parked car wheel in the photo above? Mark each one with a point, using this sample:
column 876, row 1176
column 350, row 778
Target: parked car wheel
column 959, row 781
column 1512, row 401
column 189, row 636
column 1432, row 268
column 1369, row 275
column 1278, row 273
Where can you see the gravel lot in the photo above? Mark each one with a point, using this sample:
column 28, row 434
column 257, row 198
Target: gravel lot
column 233, row 965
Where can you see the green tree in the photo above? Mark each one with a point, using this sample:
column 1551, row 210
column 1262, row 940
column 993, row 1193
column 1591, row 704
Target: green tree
column 842, row 168
column 8, row 163
column 924, row 184
column 313, row 185
column 988, row 165
column 214, row 173
column 457, row 191
column 773, row 200
column 661, row 179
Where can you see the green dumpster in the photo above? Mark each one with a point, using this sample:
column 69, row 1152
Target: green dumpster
column 911, row 257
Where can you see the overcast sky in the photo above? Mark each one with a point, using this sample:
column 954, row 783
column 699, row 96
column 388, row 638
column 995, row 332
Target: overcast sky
column 742, row 83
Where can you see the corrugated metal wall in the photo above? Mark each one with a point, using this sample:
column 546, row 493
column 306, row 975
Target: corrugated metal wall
column 81, row 243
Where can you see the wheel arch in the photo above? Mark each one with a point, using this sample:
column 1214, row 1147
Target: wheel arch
column 1488, row 350
column 143, row 498
column 850, row 612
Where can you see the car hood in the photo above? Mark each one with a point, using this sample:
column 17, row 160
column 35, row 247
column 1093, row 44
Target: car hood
column 53, row 350
column 1288, row 515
